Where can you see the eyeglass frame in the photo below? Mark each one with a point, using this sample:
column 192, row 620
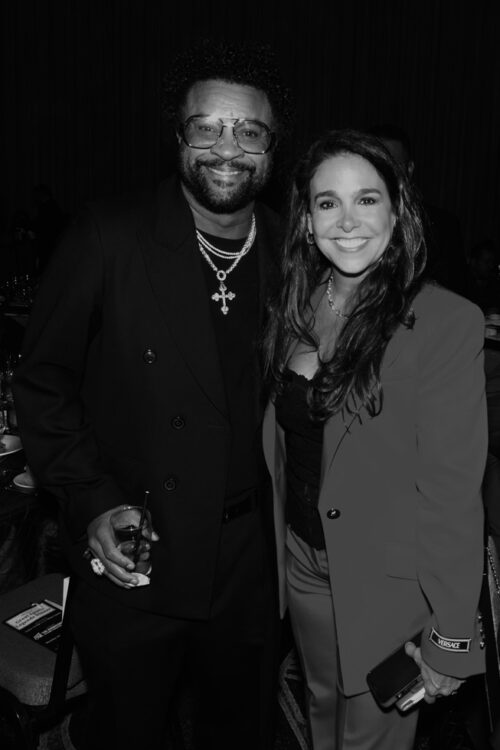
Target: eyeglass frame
column 224, row 122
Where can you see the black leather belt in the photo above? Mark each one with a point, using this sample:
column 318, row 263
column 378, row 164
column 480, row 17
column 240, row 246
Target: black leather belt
column 249, row 503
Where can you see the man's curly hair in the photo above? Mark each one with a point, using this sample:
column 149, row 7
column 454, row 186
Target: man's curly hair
column 245, row 64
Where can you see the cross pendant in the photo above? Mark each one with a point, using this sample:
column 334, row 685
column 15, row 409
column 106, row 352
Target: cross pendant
column 224, row 295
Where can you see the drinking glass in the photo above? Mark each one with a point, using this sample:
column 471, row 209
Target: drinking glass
column 132, row 530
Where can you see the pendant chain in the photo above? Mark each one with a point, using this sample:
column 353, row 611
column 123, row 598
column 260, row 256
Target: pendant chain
column 329, row 294
column 206, row 247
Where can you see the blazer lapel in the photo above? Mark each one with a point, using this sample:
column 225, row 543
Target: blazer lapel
column 268, row 241
column 273, row 441
column 338, row 430
column 173, row 265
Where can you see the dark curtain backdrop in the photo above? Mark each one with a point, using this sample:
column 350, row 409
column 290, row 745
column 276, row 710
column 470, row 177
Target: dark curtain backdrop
column 80, row 86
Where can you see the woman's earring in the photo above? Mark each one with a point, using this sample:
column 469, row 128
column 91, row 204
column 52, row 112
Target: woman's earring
column 310, row 238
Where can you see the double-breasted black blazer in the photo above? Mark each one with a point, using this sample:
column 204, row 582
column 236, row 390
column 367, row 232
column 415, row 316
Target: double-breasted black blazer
column 120, row 388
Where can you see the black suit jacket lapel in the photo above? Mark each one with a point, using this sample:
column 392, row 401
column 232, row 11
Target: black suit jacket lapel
column 173, row 265
column 268, row 244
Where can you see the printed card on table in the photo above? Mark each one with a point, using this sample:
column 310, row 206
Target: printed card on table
column 41, row 622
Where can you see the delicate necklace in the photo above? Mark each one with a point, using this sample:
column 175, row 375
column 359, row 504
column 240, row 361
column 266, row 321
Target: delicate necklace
column 329, row 295
column 206, row 247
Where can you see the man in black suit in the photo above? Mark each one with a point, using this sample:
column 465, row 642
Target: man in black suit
column 140, row 373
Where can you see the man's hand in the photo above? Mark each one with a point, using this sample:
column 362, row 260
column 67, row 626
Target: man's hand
column 101, row 542
column 435, row 683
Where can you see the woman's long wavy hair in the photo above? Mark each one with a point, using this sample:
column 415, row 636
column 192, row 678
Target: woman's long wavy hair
column 350, row 379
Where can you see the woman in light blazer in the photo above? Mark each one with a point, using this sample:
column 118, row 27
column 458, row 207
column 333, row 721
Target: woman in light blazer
column 376, row 441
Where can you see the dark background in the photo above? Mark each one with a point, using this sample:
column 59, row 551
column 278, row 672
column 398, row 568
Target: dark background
column 80, row 87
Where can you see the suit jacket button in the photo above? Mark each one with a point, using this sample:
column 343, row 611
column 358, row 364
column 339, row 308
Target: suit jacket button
column 170, row 484
column 149, row 356
column 178, row 422
column 333, row 513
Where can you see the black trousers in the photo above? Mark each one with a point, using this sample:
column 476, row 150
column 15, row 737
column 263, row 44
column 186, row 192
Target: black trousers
column 134, row 660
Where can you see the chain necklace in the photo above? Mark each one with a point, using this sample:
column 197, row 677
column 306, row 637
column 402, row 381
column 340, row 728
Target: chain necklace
column 206, row 247
column 329, row 295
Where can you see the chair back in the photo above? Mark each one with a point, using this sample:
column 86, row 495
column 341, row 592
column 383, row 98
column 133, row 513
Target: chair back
column 29, row 670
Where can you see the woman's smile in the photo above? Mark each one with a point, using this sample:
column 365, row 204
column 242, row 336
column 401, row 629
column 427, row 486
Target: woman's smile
column 351, row 243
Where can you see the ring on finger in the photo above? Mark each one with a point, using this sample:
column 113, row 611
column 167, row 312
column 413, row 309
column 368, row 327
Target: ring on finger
column 97, row 566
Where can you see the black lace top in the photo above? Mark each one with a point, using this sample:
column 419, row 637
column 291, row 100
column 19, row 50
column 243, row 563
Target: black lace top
column 304, row 442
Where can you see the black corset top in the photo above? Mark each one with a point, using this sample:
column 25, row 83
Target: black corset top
column 304, row 443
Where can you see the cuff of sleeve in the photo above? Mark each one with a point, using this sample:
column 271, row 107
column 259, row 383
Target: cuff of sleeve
column 84, row 502
column 453, row 645
column 454, row 655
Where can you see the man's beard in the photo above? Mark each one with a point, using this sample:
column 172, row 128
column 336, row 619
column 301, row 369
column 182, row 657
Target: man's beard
column 222, row 200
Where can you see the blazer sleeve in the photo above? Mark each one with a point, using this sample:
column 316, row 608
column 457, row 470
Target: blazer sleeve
column 451, row 448
column 58, row 438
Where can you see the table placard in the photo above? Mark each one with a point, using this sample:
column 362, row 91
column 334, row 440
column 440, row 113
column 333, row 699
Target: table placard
column 41, row 622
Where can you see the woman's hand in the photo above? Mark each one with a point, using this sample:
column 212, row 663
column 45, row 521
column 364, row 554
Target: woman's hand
column 435, row 683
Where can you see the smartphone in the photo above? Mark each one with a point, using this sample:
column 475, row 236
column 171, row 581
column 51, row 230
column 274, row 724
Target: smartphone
column 397, row 679
column 414, row 696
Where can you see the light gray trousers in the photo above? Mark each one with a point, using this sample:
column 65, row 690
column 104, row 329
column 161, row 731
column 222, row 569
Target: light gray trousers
column 336, row 722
